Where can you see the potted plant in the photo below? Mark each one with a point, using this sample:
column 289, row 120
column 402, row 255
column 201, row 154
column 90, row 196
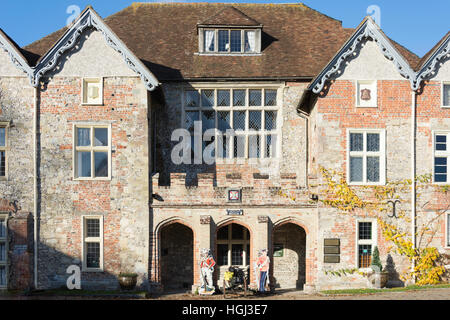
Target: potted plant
column 378, row 278
column 127, row 281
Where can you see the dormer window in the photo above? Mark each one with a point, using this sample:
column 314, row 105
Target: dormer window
column 231, row 41
column 230, row 32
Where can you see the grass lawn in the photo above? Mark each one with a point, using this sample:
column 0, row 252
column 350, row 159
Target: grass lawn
column 83, row 293
column 368, row 291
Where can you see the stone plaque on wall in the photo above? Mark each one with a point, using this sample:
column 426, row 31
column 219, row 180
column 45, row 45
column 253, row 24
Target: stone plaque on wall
column 332, row 250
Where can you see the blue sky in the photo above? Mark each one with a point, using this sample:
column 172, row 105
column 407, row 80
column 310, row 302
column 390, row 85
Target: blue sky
column 417, row 25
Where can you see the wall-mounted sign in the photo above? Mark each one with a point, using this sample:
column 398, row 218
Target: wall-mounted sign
column 278, row 250
column 234, row 195
column 234, row 212
column 332, row 250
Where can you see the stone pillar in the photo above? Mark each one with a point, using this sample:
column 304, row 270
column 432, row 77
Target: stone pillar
column 260, row 241
column 202, row 241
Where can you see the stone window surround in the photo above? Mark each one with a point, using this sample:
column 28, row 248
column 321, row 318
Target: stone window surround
column 373, row 242
column 5, row 148
column 85, row 80
column 374, row 83
column 74, row 157
column 245, row 242
column 85, row 240
column 242, row 86
column 201, row 41
column 5, row 215
column 381, row 154
column 442, row 94
column 441, row 154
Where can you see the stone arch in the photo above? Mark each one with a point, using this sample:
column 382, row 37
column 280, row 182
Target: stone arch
column 293, row 234
column 174, row 251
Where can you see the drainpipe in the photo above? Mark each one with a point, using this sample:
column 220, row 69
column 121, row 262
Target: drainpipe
column 413, row 174
column 305, row 116
column 35, row 191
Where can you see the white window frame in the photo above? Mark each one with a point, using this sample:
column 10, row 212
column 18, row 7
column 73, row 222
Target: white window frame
column 86, row 240
column 447, row 230
column 92, row 79
column 202, row 49
column 441, row 154
column 5, row 148
column 364, row 154
column 245, row 243
column 357, row 95
column 442, row 94
column 4, row 215
column 91, row 149
column 262, row 133
column 373, row 242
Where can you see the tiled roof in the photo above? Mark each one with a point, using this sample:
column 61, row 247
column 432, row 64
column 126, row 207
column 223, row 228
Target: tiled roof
column 297, row 41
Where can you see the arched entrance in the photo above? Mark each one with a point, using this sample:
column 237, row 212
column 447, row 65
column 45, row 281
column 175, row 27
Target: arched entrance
column 177, row 257
column 289, row 256
column 233, row 248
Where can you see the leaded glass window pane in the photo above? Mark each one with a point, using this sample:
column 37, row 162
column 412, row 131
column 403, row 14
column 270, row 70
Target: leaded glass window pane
column 223, row 98
column 236, row 41
column 250, row 41
column 93, row 228
column 239, row 98
column 222, row 254
column 237, row 252
column 271, row 149
column 356, row 169
column 222, row 234
column 209, row 39
column 356, row 141
column 373, row 142
column 192, row 99
column 239, row 120
column 239, row 146
column 271, row 120
column 93, row 255
column 254, row 146
column 373, row 169
column 190, row 118
column 255, row 97
column 224, row 121
column 270, row 98
column 254, row 120
column 208, row 98
column 224, row 41
column 208, row 120
column 365, row 231
column 237, row 232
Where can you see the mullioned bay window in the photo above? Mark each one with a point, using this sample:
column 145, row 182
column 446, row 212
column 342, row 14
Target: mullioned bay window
column 251, row 114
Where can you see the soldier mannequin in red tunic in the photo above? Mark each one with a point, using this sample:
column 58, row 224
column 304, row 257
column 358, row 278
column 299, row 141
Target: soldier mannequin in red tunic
column 207, row 264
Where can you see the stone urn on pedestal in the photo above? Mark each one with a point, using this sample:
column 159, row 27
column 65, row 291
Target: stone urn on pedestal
column 378, row 278
column 128, row 281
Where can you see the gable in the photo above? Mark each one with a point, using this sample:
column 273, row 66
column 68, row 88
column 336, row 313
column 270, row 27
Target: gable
column 370, row 64
column 12, row 62
column 91, row 58
column 7, row 67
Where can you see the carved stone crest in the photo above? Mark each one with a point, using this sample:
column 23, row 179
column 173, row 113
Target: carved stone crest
column 366, row 95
